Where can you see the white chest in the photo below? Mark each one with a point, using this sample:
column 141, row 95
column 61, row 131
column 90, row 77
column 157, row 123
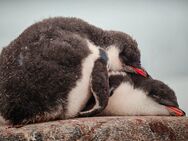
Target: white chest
column 79, row 95
column 129, row 101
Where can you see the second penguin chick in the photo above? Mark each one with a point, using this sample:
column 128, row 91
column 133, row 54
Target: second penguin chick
column 133, row 94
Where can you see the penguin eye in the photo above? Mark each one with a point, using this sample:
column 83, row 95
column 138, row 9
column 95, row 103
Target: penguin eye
column 130, row 54
column 123, row 58
column 130, row 60
column 155, row 96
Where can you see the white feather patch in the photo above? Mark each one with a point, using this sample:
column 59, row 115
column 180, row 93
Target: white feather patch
column 78, row 96
column 129, row 101
column 114, row 60
column 111, row 73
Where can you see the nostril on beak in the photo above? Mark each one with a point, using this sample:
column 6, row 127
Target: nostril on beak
column 174, row 111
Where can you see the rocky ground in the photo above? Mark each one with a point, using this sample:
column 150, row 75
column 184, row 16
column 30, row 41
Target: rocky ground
column 101, row 129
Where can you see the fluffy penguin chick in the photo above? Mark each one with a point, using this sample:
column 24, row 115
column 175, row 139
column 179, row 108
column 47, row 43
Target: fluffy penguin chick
column 132, row 94
column 50, row 78
column 50, row 71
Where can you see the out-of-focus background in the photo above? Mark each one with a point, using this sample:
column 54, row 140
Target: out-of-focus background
column 160, row 28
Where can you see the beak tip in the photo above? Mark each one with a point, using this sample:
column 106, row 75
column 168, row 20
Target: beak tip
column 174, row 111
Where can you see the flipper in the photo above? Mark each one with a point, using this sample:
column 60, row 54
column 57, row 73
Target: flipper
column 99, row 86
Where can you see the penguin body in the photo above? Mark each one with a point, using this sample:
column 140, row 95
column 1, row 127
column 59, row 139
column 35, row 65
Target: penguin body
column 48, row 74
column 52, row 69
column 132, row 94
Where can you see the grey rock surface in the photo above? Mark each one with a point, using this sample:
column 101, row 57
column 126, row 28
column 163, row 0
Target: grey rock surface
column 143, row 128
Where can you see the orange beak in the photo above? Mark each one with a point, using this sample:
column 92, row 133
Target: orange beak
column 175, row 111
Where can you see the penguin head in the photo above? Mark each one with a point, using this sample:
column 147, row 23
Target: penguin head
column 122, row 51
column 130, row 55
column 164, row 95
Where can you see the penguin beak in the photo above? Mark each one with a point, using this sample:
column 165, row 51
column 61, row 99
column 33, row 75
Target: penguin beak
column 174, row 111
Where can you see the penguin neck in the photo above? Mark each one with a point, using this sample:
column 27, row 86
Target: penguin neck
column 138, row 80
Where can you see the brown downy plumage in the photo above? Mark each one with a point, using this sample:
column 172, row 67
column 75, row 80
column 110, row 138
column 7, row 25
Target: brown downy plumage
column 41, row 71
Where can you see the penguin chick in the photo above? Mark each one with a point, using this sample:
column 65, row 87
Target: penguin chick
column 51, row 77
column 52, row 69
column 121, row 48
column 132, row 94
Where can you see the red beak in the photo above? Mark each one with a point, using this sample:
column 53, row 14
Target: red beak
column 175, row 111
column 140, row 71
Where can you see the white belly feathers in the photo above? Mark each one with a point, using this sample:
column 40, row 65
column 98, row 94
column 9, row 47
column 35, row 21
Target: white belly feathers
column 126, row 100
column 78, row 96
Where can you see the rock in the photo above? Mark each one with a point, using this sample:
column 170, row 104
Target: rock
column 145, row 128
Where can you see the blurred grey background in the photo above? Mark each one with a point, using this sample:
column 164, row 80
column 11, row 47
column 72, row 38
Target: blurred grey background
column 160, row 28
